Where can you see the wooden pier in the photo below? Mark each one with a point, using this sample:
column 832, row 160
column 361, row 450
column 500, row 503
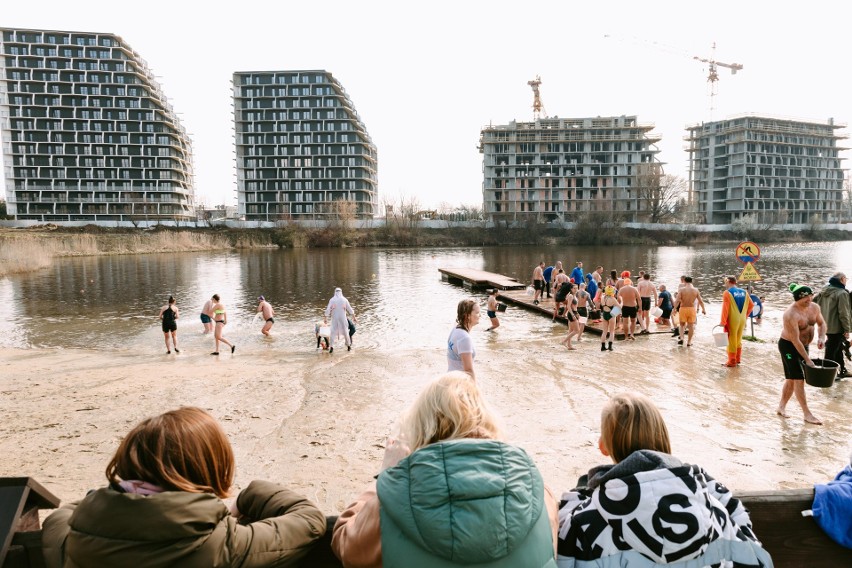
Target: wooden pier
column 514, row 293
column 479, row 279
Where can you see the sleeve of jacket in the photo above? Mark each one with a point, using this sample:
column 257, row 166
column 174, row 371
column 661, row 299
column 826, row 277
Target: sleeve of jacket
column 283, row 526
column 736, row 510
column 845, row 311
column 357, row 538
column 54, row 531
column 726, row 306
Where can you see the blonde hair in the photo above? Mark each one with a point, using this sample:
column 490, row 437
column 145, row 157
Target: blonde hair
column 450, row 408
column 631, row 422
column 181, row 450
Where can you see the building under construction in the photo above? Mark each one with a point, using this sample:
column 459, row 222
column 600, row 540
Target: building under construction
column 780, row 171
column 564, row 168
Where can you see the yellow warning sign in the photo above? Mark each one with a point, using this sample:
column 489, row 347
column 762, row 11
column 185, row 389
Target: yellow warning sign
column 748, row 252
column 749, row 274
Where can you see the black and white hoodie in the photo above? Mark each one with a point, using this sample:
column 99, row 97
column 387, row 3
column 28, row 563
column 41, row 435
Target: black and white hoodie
column 653, row 510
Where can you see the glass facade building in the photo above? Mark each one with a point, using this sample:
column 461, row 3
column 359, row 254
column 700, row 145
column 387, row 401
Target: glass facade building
column 302, row 150
column 778, row 170
column 87, row 133
column 562, row 168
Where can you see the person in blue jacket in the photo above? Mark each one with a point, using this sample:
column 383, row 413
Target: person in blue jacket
column 591, row 286
column 450, row 493
column 548, row 274
column 577, row 273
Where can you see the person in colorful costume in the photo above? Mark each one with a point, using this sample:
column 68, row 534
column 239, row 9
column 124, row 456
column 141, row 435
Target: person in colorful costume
column 736, row 307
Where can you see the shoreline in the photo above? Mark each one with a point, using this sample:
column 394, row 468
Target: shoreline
column 31, row 249
column 319, row 423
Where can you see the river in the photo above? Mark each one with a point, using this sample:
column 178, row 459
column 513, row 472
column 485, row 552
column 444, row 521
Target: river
column 339, row 408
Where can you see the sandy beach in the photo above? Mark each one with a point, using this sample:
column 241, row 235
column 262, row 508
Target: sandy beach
column 319, row 423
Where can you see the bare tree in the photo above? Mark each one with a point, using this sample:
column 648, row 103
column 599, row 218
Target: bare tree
column 342, row 213
column 658, row 193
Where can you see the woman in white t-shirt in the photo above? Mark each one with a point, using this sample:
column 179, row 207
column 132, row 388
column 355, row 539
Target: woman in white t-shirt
column 460, row 350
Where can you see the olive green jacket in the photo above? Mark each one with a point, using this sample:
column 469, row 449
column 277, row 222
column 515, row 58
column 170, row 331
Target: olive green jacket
column 109, row 528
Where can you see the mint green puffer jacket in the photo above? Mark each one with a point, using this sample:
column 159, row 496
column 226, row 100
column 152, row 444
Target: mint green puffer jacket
column 463, row 503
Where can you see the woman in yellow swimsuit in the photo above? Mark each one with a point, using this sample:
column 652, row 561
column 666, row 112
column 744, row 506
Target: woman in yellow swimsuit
column 220, row 318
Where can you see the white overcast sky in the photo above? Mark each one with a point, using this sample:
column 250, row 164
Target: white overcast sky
column 425, row 77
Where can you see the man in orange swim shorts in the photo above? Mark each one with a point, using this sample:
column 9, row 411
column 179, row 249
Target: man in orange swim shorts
column 687, row 297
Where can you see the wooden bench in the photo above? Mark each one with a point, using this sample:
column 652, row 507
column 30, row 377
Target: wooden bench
column 792, row 540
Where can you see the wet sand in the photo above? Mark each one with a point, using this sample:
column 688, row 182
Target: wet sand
column 319, row 422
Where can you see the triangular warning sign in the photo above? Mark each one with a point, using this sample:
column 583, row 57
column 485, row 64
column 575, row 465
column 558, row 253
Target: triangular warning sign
column 749, row 274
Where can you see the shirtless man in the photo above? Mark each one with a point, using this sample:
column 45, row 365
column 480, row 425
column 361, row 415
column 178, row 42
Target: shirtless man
column 598, row 275
column 268, row 313
column 648, row 293
column 538, row 281
column 799, row 321
column 491, row 309
column 559, row 293
column 630, row 300
column 685, row 307
column 680, row 285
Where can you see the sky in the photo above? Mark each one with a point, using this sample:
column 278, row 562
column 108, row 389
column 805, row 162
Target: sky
column 426, row 77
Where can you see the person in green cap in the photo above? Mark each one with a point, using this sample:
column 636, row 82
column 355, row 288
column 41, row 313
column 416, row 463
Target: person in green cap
column 799, row 321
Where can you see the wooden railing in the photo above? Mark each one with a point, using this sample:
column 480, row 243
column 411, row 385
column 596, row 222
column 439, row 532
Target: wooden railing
column 792, row 540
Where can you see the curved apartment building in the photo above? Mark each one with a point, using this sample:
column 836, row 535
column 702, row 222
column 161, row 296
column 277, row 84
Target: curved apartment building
column 302, row 150
column 87, row 133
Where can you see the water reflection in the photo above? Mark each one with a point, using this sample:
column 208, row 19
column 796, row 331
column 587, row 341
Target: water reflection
column 109, row 302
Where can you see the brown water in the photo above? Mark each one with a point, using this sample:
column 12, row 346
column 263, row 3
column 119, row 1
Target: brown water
column 549, row 399
column 112, row 302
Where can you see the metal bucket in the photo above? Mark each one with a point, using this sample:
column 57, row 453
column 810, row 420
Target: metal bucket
column 823, row 374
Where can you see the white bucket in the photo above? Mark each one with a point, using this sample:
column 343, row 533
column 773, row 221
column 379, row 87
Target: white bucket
column 530, row 291
column 583, row 320
column 616, row 311
column 325, row 331
column 720, row 338
column 657, row 312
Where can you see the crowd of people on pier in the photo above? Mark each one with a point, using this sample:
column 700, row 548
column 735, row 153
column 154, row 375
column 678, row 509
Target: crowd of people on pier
column 580, row 298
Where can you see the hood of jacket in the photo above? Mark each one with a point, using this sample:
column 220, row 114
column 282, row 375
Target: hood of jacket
column 652, row 505
column 464, row 501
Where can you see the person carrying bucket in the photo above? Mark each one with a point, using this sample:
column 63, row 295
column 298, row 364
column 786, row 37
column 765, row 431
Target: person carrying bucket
column 799, row 322
column 736, row 306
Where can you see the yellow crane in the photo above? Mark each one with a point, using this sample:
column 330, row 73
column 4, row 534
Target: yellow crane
column 538, row 106
column 713, row 75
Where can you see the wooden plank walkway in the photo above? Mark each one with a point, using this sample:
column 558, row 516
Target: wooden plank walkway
column 545, row 308
column 474, row 279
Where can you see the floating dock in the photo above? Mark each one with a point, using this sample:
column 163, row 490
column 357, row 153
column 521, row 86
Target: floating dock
column 479, row 279
column 514, row 293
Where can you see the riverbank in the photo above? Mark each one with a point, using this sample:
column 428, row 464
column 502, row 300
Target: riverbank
column 318, row 422
column 29, row 249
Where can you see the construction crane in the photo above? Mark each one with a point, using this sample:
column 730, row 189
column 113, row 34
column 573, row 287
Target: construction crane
column 712, row 71
column 713, row 75
column 538, row 106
